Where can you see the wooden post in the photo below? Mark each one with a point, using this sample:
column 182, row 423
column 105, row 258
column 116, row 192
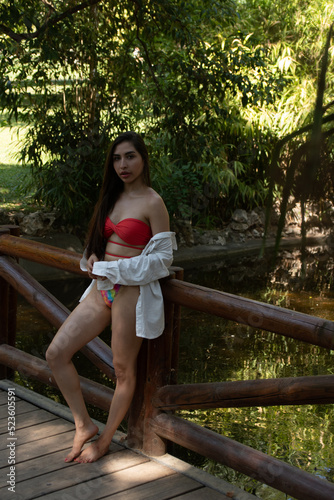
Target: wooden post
column 169, row 343
column 179, row 274
column 311, row 329
column 135, row 434
column 4, row 294
column 158, row 373
column 4, row 306
column 12, row 299
column 48, row 255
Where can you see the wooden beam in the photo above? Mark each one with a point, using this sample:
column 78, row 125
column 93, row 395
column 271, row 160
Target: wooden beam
column 179, row 274
column 4, row 304
column 269, row 392
column 54, row 311
column 4, row 320
column 258, row 315
column 12, row 298
column 159, row 361
column 275, row 473
column 41, row 253
column 292, row 324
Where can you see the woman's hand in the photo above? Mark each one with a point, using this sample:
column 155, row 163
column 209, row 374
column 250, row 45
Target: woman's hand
column 90, row 263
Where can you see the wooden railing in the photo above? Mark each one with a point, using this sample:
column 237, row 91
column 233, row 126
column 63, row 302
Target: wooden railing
column 150, row 420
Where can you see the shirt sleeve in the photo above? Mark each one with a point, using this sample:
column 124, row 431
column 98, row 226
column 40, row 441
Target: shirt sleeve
column 139, row 270
column 83, row 261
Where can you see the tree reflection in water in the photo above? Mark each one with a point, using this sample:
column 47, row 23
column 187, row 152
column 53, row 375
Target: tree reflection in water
column 213, row 349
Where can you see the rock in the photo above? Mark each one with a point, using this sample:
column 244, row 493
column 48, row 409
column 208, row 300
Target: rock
column 243, row 226
column 255, row 219
column 37, row 223
column 240, row 216
column 221, row 241
column 239, row 227
column 184, row 232
column 241, row 221
column 292, row 230
column 256, row 233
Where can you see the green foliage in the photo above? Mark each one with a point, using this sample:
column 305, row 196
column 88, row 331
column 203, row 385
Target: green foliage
column 172, row 70
column 67, row 164
column 213, row 86
column 301, row 156
column 294, row 33
column 308, row 172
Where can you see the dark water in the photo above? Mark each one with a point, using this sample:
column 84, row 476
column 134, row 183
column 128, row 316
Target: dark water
column 213, row 349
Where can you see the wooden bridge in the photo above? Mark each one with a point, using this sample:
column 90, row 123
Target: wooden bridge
column 44, row 432
column 41, row 436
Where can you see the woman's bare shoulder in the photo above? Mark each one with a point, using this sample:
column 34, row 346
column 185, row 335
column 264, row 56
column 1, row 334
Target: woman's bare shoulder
column 157, row 213
column 154, row 199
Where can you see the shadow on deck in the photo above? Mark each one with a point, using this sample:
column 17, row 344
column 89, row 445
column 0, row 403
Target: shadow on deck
column 43, row 434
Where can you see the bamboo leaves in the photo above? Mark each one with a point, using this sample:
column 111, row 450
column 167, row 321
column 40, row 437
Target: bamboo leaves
column 304, row 178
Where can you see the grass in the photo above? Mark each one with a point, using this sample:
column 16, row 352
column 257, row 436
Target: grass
column 14, row 176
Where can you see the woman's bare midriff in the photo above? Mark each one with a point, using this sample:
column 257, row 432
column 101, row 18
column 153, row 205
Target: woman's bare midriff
column 119, row 251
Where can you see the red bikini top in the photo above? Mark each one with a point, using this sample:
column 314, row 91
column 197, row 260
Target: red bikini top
column 132, row 231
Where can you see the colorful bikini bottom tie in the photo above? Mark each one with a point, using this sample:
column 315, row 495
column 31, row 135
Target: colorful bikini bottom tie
column 109, row 295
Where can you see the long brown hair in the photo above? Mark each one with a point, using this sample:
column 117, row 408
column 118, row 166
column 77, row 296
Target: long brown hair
column 112, row 187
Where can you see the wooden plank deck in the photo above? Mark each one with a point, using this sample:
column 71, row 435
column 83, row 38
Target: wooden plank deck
column 43, row 435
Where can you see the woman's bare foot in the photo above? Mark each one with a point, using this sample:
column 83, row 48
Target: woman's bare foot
column 93, row 452
column 81, row 437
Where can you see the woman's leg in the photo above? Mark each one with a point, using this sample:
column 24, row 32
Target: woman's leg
column 125, row 347
column 87, row 321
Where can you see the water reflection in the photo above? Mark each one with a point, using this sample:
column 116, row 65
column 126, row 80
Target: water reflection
column 213, row 349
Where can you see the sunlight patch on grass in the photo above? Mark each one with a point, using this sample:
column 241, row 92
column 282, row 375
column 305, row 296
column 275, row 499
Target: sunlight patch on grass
column 9, row 142
column 13, row 175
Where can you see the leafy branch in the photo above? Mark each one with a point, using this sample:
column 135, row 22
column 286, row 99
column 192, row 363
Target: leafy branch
column 51, row 21
column 310, row 150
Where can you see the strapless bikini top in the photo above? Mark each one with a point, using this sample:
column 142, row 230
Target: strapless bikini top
column 132, row 231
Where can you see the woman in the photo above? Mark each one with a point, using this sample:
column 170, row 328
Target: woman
column 129, row 247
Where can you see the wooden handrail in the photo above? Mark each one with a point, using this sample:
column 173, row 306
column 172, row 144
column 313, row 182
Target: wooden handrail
column 149, row 426
column 311, row 329
column 53, row 310
column 318, row 389
column 258, row 465
column 41, row 253
column 307, row 328
column 94, row 393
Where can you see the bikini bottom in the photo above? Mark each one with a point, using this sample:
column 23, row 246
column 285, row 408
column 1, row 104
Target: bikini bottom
column 109, row 295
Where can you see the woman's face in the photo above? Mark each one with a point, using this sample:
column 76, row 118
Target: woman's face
column 128, row 163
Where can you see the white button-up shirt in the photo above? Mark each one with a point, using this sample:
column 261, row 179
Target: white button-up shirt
column 144, row 271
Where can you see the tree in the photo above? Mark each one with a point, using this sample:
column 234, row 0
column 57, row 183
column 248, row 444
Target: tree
column 308, row 172
column 298, row 35
column 78, row 73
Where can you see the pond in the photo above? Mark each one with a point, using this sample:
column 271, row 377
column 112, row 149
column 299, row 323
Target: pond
column 213, row 349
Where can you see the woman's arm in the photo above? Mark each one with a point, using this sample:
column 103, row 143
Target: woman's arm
column 150, row 266
column 87, row 265
column 157, row 256
column 90, row 262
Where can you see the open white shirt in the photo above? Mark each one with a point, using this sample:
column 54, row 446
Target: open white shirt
column 144, row 271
